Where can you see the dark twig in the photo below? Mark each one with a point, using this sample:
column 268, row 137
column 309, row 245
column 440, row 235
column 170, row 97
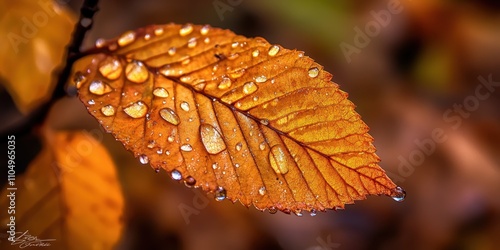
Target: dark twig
column 84, row 24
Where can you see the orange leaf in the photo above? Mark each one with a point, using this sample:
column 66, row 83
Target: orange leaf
column 240, row 117
column 69, row 194
column 35, row 34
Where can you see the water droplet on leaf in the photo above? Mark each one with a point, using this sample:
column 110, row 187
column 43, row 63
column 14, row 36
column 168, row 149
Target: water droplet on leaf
column 192, row 43
column 399, row 194
column 136, row 72
column 144, row 159
column 255, row 53
column 273, row 50
column 171, row 51
column 211, row 138
column 190, row 181
column 98, row 87
column 186, row 147
column 220, row 194
column 160, row 92
column 261, row 79
column 126, row 38
column 279, row 161
column 238, row 146
column 204, row 30
column 79, row 79
column 249, row 88
column 186, row 30
column 176, row 175
column 170, row 116
column 136, row 110
column 225, row 83
column 313, row 72
column 108, row 110
column 158, row 31
column 185, row 106
column 262, row 190
column 111, row 68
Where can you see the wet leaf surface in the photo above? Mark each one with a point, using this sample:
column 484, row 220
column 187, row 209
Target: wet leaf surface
column 236, row 116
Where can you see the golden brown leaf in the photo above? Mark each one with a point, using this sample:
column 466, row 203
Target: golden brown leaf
column 69, row 193
column 239, row 117
column 34, row 38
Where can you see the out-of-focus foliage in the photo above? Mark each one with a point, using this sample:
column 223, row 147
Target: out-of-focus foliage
column 32, row 45
column 70, row 196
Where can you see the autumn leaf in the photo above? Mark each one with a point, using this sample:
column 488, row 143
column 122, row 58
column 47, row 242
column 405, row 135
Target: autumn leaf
column 35, row 34
column 236, row 116
column 69, row 195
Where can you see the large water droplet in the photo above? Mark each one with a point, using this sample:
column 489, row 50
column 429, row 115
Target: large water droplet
column 186, row 147
column 160, row 92
column 170, row 116
column 249, row 88
column 211, row 138
column 190, row 181
column 186, row 30
column 108, row 110
column 261, row 79
column 225, row 83
column 313, row 72
column 264, row 122
column 136, row 110
column 91, row 102
column 144, row 159
column 298, row 213
column 272, row 210
column 399, row 194
column 176, row 175
column 136, row 72
column 262, row 146
column 235, row 44
column 278, row 159
column 273, row 50
column 220, row 194
column 204, row 30
column 185, row 106
column 98, row 87
column 111, row 68
column 126, row 38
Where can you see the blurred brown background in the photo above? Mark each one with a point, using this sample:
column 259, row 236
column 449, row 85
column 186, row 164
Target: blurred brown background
column 407, row 81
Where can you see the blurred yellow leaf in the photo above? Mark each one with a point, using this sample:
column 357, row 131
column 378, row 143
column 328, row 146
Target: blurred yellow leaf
column 34, row 36
column 69, row 194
